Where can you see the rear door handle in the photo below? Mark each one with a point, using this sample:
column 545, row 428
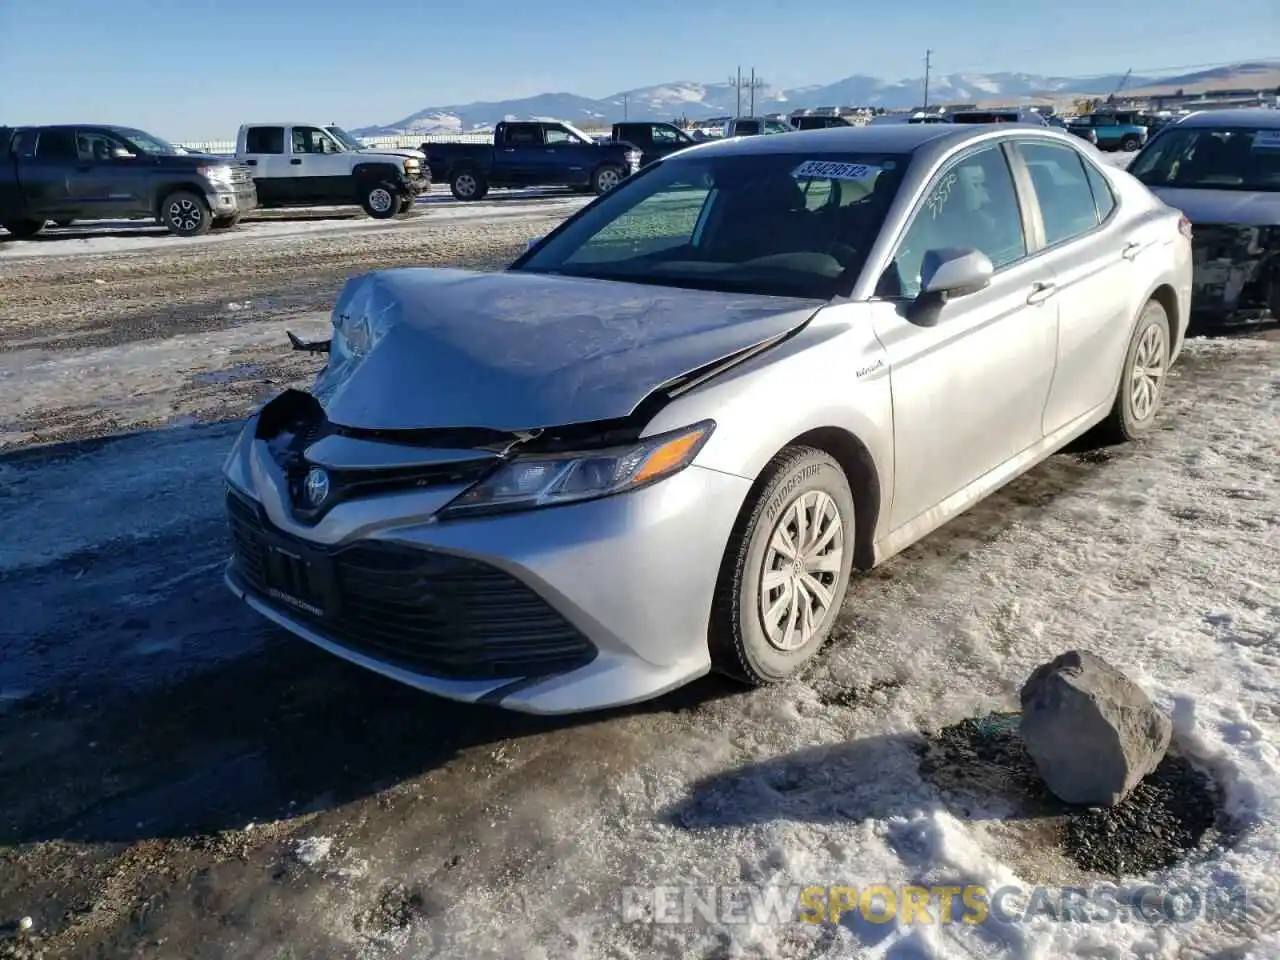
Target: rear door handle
column 1040, row 292
column 251, row 162
column 296, row 161
column 1132, row 249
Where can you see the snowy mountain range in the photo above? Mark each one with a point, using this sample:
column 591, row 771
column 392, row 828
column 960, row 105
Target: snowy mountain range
column 703, row 100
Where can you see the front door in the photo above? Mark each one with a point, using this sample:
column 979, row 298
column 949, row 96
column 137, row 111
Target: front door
column 522, row 158
column 321, row 166
column 106, row 182
column 968, row 393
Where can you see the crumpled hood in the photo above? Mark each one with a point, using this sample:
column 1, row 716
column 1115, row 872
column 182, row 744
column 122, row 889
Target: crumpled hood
column 1244, row 207
column 421, row 348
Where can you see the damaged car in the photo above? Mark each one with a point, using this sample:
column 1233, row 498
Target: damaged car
column 1222, row 169
column 660, row 442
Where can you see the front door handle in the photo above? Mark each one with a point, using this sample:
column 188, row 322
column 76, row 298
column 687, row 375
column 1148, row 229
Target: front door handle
column 1040, row 292
column 296, row 161
column 1131, row 250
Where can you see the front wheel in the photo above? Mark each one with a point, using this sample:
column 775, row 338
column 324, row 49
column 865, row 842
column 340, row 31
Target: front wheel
column 786, row 569
column 185, row 215
column 380, row 202
column 1146, row 366
column 22, row 229
column 606, row 178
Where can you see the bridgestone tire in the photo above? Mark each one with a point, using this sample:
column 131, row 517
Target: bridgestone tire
column 740, row 644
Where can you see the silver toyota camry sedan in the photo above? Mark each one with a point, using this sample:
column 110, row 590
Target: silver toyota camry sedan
column 660, row 441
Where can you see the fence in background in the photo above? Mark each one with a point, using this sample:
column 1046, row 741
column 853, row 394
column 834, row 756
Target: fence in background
column 403, row 142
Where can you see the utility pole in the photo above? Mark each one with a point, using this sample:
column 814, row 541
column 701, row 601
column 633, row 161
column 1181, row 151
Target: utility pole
column 928, row 59
column 756, row 84
column 625, row 103
column 736, row 83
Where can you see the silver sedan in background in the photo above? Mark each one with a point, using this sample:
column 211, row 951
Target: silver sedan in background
column 661, row 440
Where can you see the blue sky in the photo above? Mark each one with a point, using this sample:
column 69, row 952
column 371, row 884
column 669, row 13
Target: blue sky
column 197, row 70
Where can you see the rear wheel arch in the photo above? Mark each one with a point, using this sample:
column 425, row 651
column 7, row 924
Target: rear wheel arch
column 1167, row 297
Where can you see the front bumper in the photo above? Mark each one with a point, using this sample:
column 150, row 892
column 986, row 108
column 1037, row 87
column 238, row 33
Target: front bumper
column 416, row 186
column 556, row 610
column 234, row 200
column 1237, row 275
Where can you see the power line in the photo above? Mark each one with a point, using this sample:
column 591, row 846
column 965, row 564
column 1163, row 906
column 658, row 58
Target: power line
column 989, row 65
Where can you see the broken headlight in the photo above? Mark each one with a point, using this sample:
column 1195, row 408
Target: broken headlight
column 543, row 481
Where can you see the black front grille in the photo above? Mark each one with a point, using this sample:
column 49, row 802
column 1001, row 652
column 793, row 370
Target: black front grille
column 432, row 613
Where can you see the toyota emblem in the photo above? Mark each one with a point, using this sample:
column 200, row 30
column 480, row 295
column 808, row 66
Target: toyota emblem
column 316, row 486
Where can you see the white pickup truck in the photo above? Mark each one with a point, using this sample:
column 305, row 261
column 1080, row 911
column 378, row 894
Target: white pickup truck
column 310, row 165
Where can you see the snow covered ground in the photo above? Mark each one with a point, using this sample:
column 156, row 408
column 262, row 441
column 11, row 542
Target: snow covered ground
column 462, row 833
column 172, row 771
column 129, row 236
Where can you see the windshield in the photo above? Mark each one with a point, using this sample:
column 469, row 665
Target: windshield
column 146, row 143
column 1217, row 159
column 785, row 224
column 346, row 139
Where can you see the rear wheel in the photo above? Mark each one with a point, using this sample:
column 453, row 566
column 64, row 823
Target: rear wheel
column 1146, row 367
column 606, row 178
column 22, row 229
column 468, row 185
column 1130, row 143
column 380, row 201
column 786, row 569
column 185, row 215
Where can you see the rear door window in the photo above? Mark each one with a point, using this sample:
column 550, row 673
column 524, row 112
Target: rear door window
column 1062, row 190
column 56, row 145
column 268, row 140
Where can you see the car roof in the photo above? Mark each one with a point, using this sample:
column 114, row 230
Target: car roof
column 1261, row 117
column 879, row 138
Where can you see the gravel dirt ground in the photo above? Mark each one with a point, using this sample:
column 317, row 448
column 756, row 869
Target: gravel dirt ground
column 179, row 780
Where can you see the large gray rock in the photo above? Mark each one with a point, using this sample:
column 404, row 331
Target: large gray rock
column 1092, row 731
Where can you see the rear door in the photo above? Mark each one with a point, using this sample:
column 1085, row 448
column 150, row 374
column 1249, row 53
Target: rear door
column 264, row 152
column 521, row 158
column 1082, row 241
column 46, row 159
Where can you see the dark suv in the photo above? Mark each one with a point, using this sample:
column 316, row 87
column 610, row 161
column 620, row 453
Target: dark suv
column 93, row 172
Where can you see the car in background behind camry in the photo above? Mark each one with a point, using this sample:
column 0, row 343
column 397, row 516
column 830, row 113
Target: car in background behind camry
column 660, row 441
column 1222, row 169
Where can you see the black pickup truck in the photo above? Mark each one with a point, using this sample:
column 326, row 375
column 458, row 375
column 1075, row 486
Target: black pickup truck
column 531, row 154
column 96, row 172
column 655, row 140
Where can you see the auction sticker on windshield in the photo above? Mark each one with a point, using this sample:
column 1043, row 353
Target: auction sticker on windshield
column 834, row 170
column 1266, row 140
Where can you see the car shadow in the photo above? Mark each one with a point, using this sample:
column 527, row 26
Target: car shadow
column 139, row 699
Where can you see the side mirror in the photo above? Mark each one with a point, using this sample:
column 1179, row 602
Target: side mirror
column 944, row 275
column 533, row 242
